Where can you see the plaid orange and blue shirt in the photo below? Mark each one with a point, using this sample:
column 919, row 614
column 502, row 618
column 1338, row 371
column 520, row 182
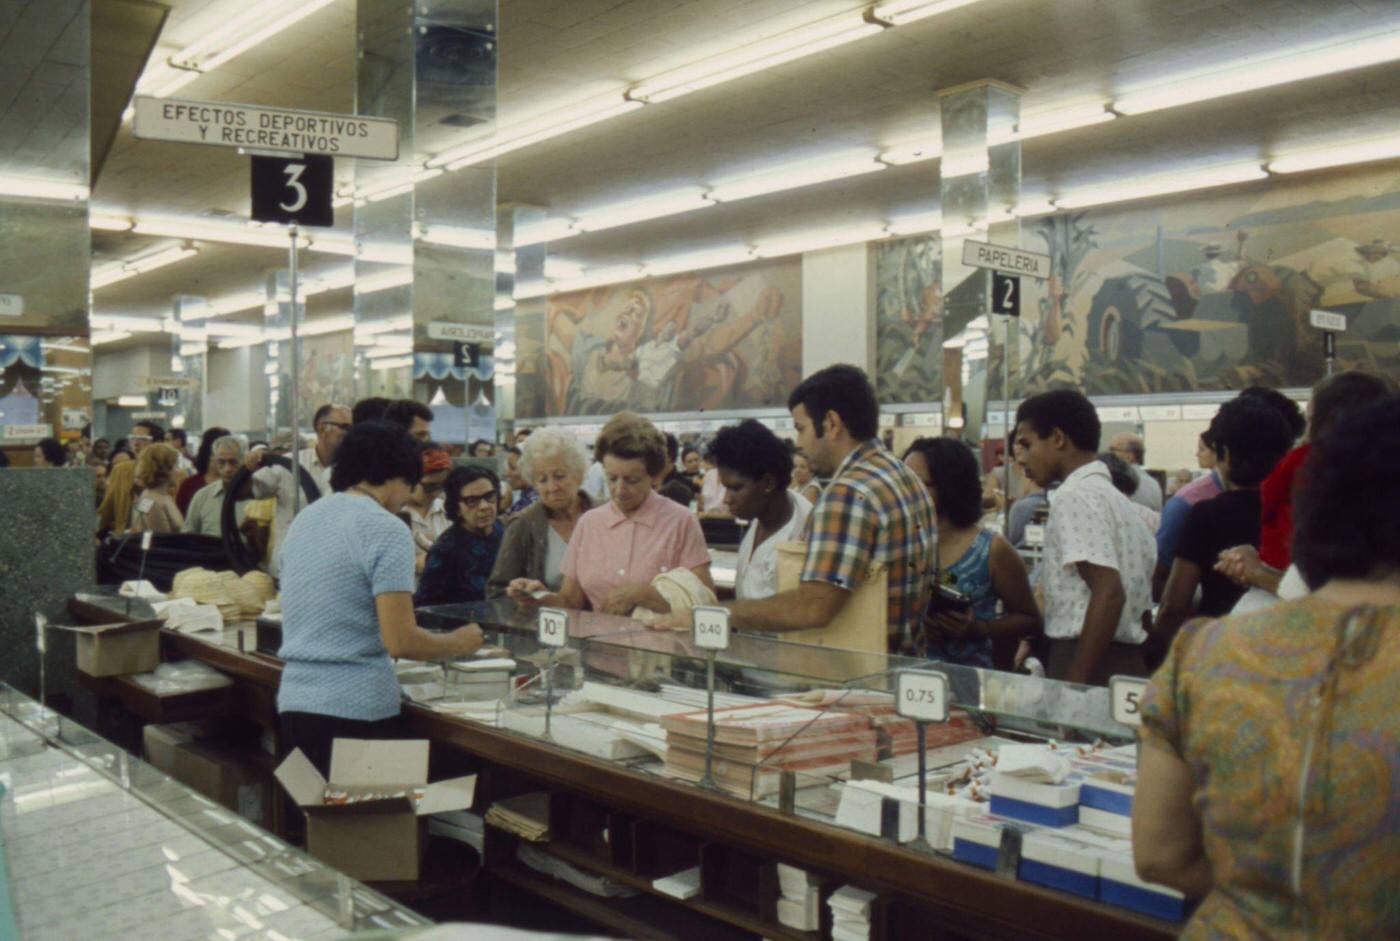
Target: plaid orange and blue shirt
column 876, row 511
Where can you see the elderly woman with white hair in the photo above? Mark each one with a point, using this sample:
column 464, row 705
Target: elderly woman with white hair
column 554, row 463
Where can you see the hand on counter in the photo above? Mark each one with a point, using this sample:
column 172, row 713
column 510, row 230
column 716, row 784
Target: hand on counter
column 675, row 620
column 623, row 599
column 526, row 590
column 466, row 640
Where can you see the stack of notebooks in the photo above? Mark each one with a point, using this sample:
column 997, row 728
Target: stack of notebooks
column 799, row 905
column 897, row 735
column 754, row 744
column 850, row 914
column 527, row 816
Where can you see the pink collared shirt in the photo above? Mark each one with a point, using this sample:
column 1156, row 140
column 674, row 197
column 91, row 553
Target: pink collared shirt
column 609, row 550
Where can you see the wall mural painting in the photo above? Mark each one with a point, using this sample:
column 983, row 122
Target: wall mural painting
column 327, row 372
column 1208, row 292
column 720, row 339
column 909, row 318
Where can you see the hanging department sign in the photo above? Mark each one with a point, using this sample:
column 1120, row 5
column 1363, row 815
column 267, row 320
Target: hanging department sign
column 226, row 124
column 1003, row 258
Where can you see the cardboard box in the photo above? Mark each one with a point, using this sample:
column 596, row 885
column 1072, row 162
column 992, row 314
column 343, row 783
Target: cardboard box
column 216, row 773
column 1049, row 859
column 118, row 649
column 1045, row 805
column 378, row 839
column 1119, row 885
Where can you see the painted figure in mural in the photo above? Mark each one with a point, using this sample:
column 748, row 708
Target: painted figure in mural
column 652, row 359
column 909, row 343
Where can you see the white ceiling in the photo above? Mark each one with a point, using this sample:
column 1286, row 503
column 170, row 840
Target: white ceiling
column 876, row 92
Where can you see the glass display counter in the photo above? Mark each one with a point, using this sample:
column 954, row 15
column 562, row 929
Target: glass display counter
column 99, row 844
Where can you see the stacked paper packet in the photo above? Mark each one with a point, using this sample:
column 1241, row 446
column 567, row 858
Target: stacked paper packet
column 1036, row 785
column 850, row 913
column 860, row 810
column 755, row 743
column 800, row 903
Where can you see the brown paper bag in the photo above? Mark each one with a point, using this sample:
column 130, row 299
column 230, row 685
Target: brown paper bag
column 862, row 624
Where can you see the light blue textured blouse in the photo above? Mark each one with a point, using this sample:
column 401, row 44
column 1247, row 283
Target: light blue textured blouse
column 341, row 552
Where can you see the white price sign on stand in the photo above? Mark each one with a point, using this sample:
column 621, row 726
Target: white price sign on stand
column 711, row 627
column 1126, row 693
column 922, row 696
column 554, row 627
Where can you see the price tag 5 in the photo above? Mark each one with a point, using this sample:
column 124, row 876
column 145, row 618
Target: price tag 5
column 554, row 627
column 922, row 696
column 711, row 627
column 1126, row 694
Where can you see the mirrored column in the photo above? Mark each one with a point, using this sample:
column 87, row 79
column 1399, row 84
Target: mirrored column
column 188, row 360
column 979, row 185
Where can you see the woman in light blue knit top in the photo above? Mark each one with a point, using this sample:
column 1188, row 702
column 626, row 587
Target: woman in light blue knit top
column 347, row 599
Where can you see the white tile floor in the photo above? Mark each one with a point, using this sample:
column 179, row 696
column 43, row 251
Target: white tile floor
column 86, row 859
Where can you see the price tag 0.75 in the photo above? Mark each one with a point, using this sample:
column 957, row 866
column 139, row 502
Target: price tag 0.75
column 554, row 627
column 1126, row 694
column 711, row 627
column 922, row 696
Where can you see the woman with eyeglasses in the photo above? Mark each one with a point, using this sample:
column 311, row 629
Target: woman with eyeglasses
column 460, row 562
column 347, row 599
column 426, row 515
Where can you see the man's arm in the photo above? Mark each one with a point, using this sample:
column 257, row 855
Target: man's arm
column 1106, row 600
column 811, row 605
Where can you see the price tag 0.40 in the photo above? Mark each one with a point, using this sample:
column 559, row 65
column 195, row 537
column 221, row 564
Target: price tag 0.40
column 1126, row 693
column 554, row 627
column 711, row 627
column 922, row 696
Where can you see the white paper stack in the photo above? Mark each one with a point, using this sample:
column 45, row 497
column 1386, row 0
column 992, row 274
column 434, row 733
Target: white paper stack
column 460, row 825
column 850, row 914
column 187, row 617
column 800, row 904
column 683, row 885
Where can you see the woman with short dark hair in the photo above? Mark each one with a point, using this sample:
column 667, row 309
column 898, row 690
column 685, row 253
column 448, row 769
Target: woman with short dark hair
column 1270, row 754
column 347, row 599
column 49, row 453
column 460, row 562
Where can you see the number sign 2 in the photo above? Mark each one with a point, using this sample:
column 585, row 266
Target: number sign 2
column 297, row 190
column 921, row 695
column 1006, row 294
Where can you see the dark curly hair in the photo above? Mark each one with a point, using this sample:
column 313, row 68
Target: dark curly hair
column 376, row 452
column 54, row 452
column 842, row 389
column 749, row 448
column 1347, row 507
column 955, row 477
column 1341, row 394
column 1255, row 437
column 459, row 478
column 1287, row 409
column 1066, row 410
column 206, row 447
column 1124, row 480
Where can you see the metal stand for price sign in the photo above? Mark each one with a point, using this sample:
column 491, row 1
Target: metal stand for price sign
column 553, row 634
column 922, row 696
column 294, row 371
column 710, row 632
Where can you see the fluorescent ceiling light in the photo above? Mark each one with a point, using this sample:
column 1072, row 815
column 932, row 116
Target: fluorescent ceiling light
column 699, row 260
column 222, row 329
column 384, row 280
column 389, row 254
column 404, row 322
column 596, row 277
column 504, row 302
column 108, row 223
column 966, row 163
column 558, row 268
column 394, row 363
column 756, row 56
column 193, row 349
column 915, row 152
column 333, row 244
column 1338, row 55
column 205, row 231
column 35, row 188
column 505, row 263
column 103, row 337
column 818, row 239
column 460, row 238
column 899, row 12
column 550, row 230
column 132, row 324
column 1338, row 155
column 1159, row 185
column 233, row 303
column 534, row 129
column 239, row 342
column 1037, row 206
column 104, row 275
column 640, row 210
column 537, row 287
column 915, row 224
column 131, row 401
column 1043, row 123
column 806, row 173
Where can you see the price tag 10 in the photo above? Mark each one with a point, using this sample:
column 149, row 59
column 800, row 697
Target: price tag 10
column 922, row 696
column 554, row 627
column 1126, row 693
column 711, row 627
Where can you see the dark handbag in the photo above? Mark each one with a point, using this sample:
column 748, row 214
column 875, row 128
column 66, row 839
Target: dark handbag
column 119, row 557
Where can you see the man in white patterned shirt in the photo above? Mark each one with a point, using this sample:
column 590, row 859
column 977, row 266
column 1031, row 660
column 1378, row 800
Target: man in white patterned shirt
column 1099, row 554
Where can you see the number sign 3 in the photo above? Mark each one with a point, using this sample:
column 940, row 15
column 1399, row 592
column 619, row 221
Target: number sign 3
column 297, row 190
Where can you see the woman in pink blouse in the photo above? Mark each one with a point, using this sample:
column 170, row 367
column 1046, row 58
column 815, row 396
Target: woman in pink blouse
column 618, row 548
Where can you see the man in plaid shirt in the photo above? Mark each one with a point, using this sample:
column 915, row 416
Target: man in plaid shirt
column 875, row 510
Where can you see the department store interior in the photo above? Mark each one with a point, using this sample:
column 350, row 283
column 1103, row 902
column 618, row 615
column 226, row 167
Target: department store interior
column 810, row 470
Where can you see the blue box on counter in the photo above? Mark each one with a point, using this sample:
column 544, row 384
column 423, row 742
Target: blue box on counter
column 977, row 839
column 1119, row 885
column 1051, row 860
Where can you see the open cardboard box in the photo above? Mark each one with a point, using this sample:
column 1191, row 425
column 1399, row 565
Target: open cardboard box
column 118, row 649
column 377, row 840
